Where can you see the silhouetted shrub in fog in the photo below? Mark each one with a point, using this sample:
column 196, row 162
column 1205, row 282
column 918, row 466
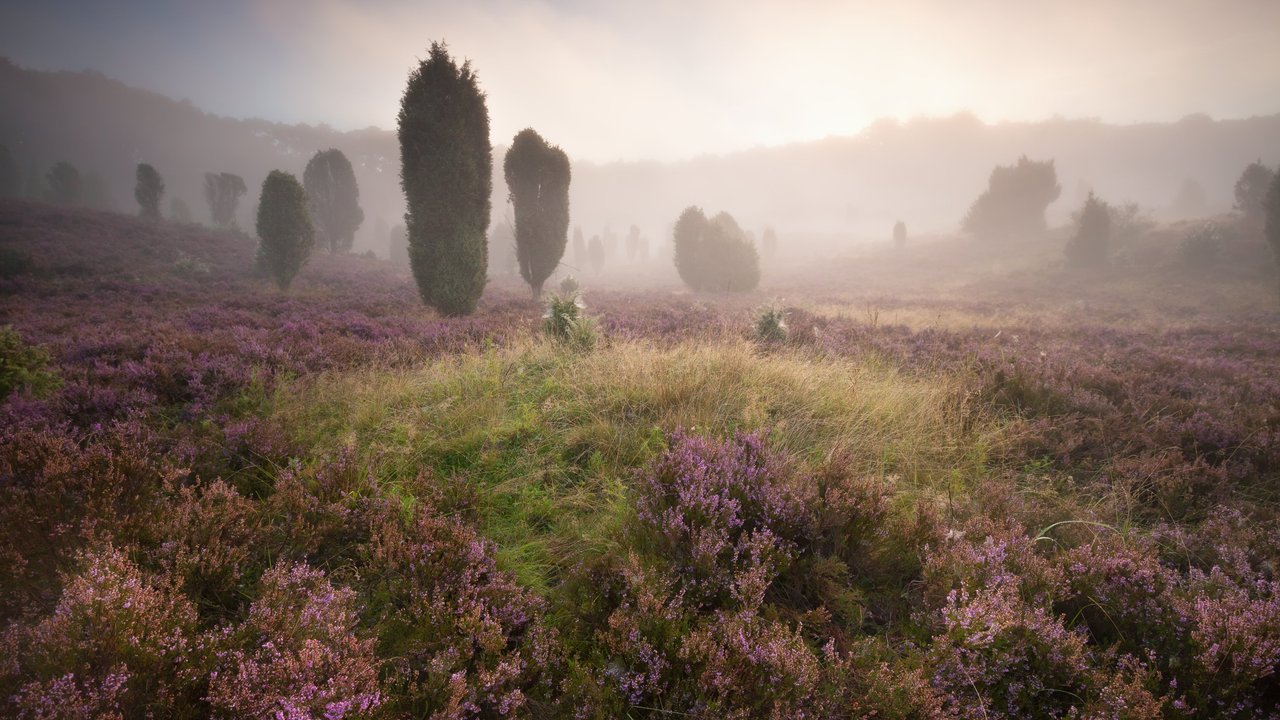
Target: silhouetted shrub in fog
column 148, row 191
column 714, row 254
column 1091, row 245
column 10, row 180
column 65, row 185
column 899, row 234
column 284, row 227
column 1250, row 191
column 595, row 254
column 334, row 200
column 446, row 169
column 579, row 249
column 398, row 249
column 1272, row 224
column 769, row 242
column 1014, row 202
column 1202, row 246
column 179, row 211
column 223, row 192
column 538, row 176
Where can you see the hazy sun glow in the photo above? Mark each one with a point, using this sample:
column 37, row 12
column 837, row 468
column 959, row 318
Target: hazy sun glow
column 671, row 79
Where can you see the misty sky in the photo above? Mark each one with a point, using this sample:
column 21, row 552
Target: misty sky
column 672, row 79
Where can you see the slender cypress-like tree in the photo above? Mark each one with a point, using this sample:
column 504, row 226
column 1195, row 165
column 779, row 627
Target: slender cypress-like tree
column 334, row 199
column 899, row 234
column 223, row 191
column 538, row 176
column 446, row 170
column 284, row 226
column 148, row 191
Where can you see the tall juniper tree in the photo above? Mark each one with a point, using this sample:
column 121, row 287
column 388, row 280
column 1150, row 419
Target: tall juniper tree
column 446, row 170
column 538, row 176
column 148, row 191
column 334, row 199
column 284, row 227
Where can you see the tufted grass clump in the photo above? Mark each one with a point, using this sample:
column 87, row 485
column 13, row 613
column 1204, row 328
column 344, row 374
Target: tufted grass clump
column 771, row 325
column 566, row 323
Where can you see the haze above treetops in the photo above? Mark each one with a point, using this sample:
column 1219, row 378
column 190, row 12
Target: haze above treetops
column 764, row 110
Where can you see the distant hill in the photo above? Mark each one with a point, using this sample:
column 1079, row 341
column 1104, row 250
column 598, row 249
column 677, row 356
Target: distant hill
column 841, row 189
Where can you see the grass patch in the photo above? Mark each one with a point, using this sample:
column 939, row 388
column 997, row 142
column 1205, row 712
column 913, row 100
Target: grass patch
column 548, row 439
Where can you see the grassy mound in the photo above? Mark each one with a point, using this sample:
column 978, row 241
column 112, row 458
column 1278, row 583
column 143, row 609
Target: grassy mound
column 548, row 439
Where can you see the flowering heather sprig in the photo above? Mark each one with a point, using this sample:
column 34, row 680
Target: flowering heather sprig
column 989, row 555
column 61, row 489
column 297, row 655
column 1122, row 591
column 719, row 510
column 749, row 667
column 116, row 643
column 458, row 629
column 999, row 657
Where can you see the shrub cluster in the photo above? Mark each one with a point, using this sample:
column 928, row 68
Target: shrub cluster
column 715, row 254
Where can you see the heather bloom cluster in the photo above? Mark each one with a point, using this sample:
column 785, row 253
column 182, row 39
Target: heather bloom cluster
column 998, row 656
column 116, row 642
column 723, row 513
column 306, row 659
column 169, row 548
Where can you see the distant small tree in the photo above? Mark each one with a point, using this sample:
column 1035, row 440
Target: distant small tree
column 148, row 191
column 334, row 200
column 714, row 254
column 900, row 234
column 1091, row 245
column 502, row 247
column 538, row 177
column 769, row 242
column 1250, row 191
column 398, row 248
column 634, row 243
column 579, row 249
column 1190, row 199
column 35, row 187
column 179, row 211
column 284, row 227
column 1271, row 224
column 595, row 253
column 65, row 185
column 97, row 194
column 223, row 192
column 1014, row 202
column 446, row 170
column 10, row 178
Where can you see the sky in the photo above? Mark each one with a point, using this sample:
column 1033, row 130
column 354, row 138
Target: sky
column 673, row 79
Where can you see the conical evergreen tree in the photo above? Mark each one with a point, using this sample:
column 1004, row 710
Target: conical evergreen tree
column 447, row 175
column 538, row 176
column 148, row 191
column 284, row 226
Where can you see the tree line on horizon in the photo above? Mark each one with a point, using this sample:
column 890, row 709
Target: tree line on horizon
column 446, row 176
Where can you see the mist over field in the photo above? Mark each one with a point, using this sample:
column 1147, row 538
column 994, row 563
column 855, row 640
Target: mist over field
column 602, row 360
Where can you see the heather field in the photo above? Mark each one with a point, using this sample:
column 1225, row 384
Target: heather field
column 959, row 484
